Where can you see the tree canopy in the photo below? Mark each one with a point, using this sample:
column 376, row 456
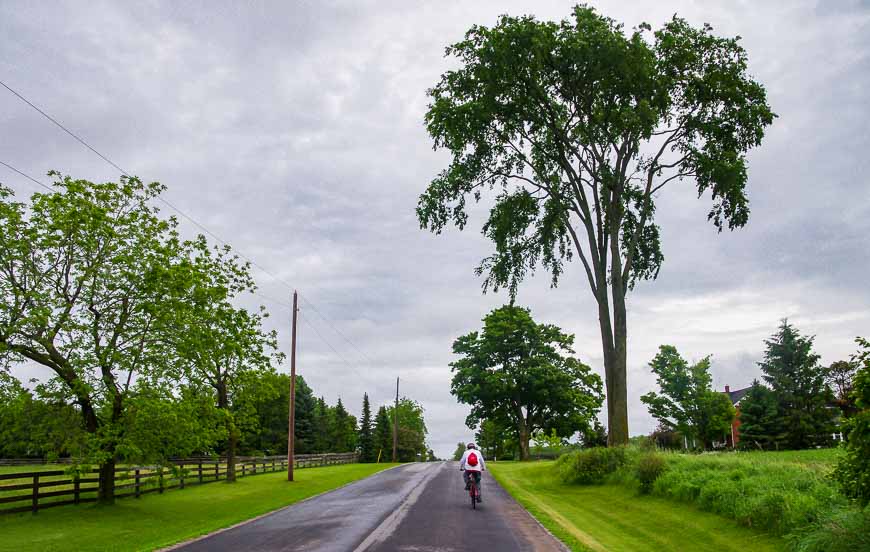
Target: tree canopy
column 571, row 130
column 522, row 376
column 686, row 402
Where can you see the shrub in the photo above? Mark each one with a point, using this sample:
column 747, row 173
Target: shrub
column 853, row 470
column 649, row 467
column 590, row 466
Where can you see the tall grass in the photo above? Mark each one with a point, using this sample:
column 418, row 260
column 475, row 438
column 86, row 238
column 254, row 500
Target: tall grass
column 784, row 493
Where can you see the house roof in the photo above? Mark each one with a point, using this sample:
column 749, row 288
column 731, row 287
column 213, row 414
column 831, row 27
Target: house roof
column 736, row 395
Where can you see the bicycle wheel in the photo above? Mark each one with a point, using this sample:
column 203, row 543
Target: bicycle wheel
column 473, row 494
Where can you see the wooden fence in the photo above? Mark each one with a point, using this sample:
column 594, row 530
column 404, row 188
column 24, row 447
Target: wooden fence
column 65, row 489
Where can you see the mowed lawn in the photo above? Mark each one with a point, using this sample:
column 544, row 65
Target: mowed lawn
column 614, row 518
column 155, row 520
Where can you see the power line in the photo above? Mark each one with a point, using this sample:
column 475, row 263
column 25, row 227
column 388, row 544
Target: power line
column 27, row 176
column 180, row 212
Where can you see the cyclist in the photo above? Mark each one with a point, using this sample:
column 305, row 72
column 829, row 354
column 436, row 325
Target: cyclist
column 472, row 465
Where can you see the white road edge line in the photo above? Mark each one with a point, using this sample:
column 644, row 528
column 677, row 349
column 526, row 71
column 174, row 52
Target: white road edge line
column 389, row 525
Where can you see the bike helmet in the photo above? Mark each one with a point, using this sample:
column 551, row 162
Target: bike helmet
column 471, row 446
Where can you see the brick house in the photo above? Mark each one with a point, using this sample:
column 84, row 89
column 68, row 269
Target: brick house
column 736, row 397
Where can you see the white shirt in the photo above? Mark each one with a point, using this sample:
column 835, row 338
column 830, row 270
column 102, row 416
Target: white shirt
column 481, row 465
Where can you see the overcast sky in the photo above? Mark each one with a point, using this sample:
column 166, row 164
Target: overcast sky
column 294, row 130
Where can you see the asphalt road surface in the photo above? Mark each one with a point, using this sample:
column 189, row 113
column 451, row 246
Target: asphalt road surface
column 412, row 508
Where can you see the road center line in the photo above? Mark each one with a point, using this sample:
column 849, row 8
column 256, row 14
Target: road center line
column 388, row 526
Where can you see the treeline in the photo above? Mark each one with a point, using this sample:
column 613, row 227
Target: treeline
column 150, row 357
column 798, row 403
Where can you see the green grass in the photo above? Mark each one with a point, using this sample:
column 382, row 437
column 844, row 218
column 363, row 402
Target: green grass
column 614, row 517
column 154, row 521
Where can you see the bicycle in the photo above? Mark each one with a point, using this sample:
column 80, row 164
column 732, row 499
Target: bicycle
column 474, row 489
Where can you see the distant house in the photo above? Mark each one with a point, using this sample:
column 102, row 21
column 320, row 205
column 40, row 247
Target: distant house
column 736, row 397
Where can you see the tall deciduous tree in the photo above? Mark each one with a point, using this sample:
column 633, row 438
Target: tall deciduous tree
column 523, row 376
column 218, row 343
column 572, row 129
column 412, row 433
column 792, row 370
column 367, row 452
column 839, row 376
column 853, row 469
column 686, row 402
column 86, row 275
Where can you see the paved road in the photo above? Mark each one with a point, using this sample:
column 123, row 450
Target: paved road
column 413, row 508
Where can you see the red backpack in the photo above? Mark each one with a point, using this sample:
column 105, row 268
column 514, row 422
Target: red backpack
column 472, row 459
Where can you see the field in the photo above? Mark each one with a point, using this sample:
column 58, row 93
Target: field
column 614, row 517
column 155, row 520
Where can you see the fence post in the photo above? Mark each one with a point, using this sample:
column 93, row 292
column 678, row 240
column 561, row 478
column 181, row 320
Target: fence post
column 200, row 471
column 181, row 477
column 35, row 506
column 160, row 479
column 243, row 469
column 273, row 464
column 136, row 483
column 76, row 489
column 217, row 474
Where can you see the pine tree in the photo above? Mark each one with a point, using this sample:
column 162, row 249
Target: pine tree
column 340, row 438
column 367, row 452
column 321, row 423
column 792, row 370
column 383, row 438
column 760, row 425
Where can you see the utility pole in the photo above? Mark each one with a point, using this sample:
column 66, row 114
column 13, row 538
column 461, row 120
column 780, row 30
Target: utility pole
column 291, row 424
column 396, row 425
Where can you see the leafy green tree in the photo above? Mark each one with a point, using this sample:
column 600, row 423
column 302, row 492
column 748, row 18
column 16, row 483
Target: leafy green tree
column 494, row 440
column 792, row 370
column 760, row 425
column 853, row 470
column 572, row 128
column 839, row 376
column 686, row 402
column 412, row 430
column 219, row 344
column 459, row 451
column 39, row 423
column 366, row 441
column 521, row 375
column 87, row 275
column 383, row 434
column 594, row 436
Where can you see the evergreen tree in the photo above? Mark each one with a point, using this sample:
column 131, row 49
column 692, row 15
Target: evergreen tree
column 343, row 430
column 383, row 438
column 367, row 452
column 322, row 424
column 792, row 370
column 760, row 426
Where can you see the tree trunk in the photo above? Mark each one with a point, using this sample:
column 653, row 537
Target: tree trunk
column 232, row 432
column 106, row 491
column 617, row 387
column 524, row 435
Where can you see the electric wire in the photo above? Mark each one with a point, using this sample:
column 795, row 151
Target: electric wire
column 182, row 213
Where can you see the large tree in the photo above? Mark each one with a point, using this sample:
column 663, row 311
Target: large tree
column 760, row 424
column 522, row 375
column 573, row 129
column 853, row 468
column 792, row 370
column 87, row 274
column 383, row 435
column 412, row 432
column 687, row 402
column 219, row 344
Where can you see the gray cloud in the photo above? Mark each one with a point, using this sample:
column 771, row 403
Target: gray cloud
column 294, row 131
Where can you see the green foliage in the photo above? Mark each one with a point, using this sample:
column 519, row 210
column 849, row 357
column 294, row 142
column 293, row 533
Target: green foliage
column 687, row 402
column 521, row 375
column 571, row 128
column 853, row 471
column 412, row 431
column 760, row 424
column 839, row 376
column 792, row 370
column 648, row 468
column 384, row 434
column 842, row 530
column 342, row 434
column 367, row 450
column 459, row 451
column 590, row 466
column 495, row 441
column 594, row 435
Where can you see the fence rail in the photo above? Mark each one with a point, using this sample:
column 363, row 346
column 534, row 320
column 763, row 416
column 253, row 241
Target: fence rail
column 136, row 481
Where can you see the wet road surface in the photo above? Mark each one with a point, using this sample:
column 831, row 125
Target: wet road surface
column 412, row 508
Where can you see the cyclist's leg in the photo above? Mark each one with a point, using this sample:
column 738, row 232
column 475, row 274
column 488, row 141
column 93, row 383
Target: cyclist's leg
column 465, row 478
column 477, row 477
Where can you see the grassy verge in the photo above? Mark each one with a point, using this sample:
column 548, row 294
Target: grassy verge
column 155, row 520
column 613, row 517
